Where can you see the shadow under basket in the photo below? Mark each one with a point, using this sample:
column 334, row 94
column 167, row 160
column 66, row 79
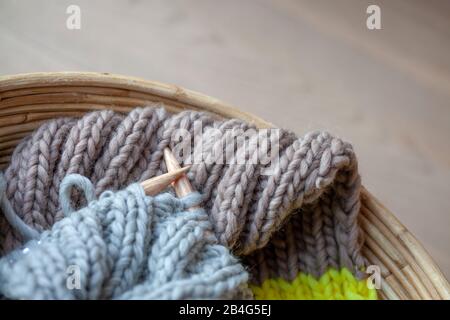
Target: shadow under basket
column 27, row 100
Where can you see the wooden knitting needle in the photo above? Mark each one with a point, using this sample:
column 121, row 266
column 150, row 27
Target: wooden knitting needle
column 157, row 184
column 182, row 185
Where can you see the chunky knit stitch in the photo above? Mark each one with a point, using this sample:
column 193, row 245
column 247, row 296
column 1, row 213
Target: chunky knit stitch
column 125, row 245
column 301, row 218
column 332, row 285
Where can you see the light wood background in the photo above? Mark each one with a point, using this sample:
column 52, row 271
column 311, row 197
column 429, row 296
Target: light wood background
column 301, row 64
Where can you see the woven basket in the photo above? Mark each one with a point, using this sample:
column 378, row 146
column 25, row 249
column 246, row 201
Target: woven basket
column 408, row 271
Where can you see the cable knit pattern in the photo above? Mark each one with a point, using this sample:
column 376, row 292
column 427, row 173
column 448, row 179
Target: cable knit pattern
column 302, row 217
column 127, row 246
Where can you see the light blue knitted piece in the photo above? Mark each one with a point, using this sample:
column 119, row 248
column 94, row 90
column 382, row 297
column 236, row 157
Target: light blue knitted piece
column 125, row 245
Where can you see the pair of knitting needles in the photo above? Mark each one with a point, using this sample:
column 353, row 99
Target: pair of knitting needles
column 175, row 175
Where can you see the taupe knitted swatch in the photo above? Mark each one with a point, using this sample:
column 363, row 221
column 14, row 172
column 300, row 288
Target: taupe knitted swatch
column 302, row 217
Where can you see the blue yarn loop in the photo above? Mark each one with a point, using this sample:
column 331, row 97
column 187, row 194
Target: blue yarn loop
column 123, row 245
column 65, row 189
column 85, row 185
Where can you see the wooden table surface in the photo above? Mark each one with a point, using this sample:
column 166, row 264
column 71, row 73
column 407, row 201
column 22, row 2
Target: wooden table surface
column 301, row 64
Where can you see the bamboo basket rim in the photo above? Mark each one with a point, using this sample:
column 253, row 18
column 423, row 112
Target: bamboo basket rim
column 408, row 271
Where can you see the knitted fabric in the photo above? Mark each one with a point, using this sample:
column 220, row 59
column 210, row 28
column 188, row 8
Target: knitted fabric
column 332, row 285
column 300, row 218
column 125, row 245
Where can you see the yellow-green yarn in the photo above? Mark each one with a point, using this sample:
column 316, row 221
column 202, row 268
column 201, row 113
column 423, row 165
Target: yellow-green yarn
column 332, row 285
